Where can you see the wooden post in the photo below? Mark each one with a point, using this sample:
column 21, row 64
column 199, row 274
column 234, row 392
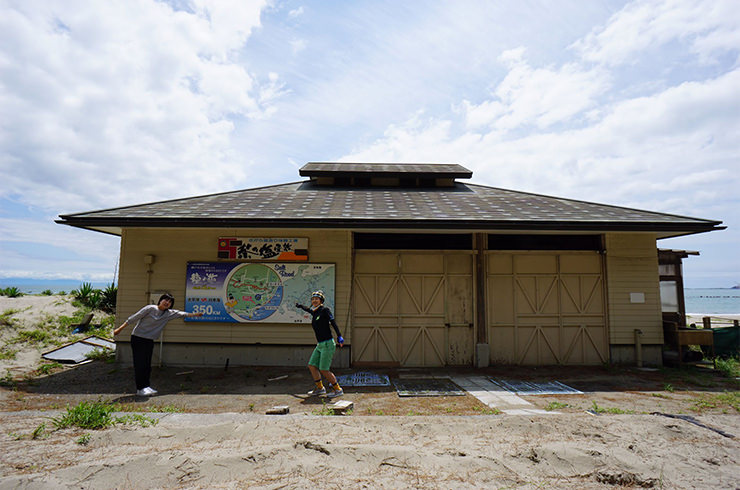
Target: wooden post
column 707, row 321
column 480, row 278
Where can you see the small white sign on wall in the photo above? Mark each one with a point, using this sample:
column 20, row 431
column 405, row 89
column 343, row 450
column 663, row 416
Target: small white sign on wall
column 637, row 297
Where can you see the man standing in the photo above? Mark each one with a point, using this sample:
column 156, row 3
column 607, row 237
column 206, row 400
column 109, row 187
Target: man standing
column 320, row 361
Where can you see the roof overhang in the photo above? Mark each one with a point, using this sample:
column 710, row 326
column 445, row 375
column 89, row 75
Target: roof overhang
column 115, row 226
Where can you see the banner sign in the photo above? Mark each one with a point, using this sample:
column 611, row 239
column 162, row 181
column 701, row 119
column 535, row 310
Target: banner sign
column 277, row 249
column 255, row 292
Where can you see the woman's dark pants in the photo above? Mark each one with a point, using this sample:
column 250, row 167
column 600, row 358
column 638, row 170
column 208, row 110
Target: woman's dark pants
column 142, row 349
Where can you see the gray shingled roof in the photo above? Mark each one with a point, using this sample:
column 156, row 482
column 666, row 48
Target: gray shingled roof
column 464, row 206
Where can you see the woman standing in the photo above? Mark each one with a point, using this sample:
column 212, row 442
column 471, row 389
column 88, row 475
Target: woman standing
column 150, row 321
column 320, row 361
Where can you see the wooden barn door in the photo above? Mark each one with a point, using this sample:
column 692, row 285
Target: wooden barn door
column 412, row 309
column 546, row 308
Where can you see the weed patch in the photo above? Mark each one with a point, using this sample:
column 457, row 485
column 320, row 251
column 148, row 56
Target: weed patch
column 612, row 410
column 37, row 336
column 97, row 415
column 48, row 368
column 487, row 410
column 39, row 432
column 7, row 381
column 556, row 406
column 6, row 318
column 718, row 401
column 7, row 353
column 149, row 409
column 105, row 355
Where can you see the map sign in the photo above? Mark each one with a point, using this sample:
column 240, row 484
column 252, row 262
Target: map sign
column 255, row 292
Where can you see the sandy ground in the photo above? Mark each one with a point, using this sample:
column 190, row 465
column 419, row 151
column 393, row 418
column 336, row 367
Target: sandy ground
column 219, row 437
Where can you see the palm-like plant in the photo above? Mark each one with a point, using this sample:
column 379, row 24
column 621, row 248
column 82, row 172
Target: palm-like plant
column 82, row 294
column 108, row 301
column 12, row 292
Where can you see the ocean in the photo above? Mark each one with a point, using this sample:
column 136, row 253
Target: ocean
column 714, row 301
column 31, row 286
column 698, row 300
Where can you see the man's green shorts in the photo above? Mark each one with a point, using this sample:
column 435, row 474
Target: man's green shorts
column 322, row 354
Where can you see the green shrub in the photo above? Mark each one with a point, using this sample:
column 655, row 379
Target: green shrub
column 730, row 367
column 12, row 292
column 96, row 299
column 47, row 292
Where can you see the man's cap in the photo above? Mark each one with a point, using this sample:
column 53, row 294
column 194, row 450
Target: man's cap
column 319, row 294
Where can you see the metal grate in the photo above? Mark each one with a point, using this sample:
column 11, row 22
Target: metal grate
column 531, row 388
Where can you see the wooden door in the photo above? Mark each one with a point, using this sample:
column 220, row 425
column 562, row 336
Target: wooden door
column 546, row 308
column 412, row 309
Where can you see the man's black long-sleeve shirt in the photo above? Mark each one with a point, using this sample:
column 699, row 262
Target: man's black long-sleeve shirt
column 321, row 318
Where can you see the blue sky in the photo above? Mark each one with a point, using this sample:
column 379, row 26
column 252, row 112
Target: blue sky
column 114, row 103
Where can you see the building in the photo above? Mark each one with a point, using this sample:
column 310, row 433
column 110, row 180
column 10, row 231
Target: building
column 423, row 270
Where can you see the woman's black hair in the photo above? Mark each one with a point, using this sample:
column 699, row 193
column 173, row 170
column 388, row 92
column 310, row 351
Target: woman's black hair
column 169, row 297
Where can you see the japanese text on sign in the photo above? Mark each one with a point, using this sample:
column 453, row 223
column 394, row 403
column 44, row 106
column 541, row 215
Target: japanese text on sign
column 277, row 249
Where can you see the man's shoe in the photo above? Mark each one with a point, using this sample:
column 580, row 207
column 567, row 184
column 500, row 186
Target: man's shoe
column 150, row 391
column 335, row 393
column 317, row 392
column 141, row 392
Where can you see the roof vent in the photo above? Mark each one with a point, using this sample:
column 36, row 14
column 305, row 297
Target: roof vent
column 345, row 174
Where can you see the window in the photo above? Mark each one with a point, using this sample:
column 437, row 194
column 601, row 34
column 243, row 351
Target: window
column 413, row 241
column 544, row 242
column 669, row 296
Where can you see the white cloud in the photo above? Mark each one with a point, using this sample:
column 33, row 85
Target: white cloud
column 123, row 101
column 298, row 45
column 648, row 152
column 538, row 97
column 709, row 26
column 42, row 249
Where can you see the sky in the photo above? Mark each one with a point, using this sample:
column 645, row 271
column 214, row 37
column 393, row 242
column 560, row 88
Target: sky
column 120, row 102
